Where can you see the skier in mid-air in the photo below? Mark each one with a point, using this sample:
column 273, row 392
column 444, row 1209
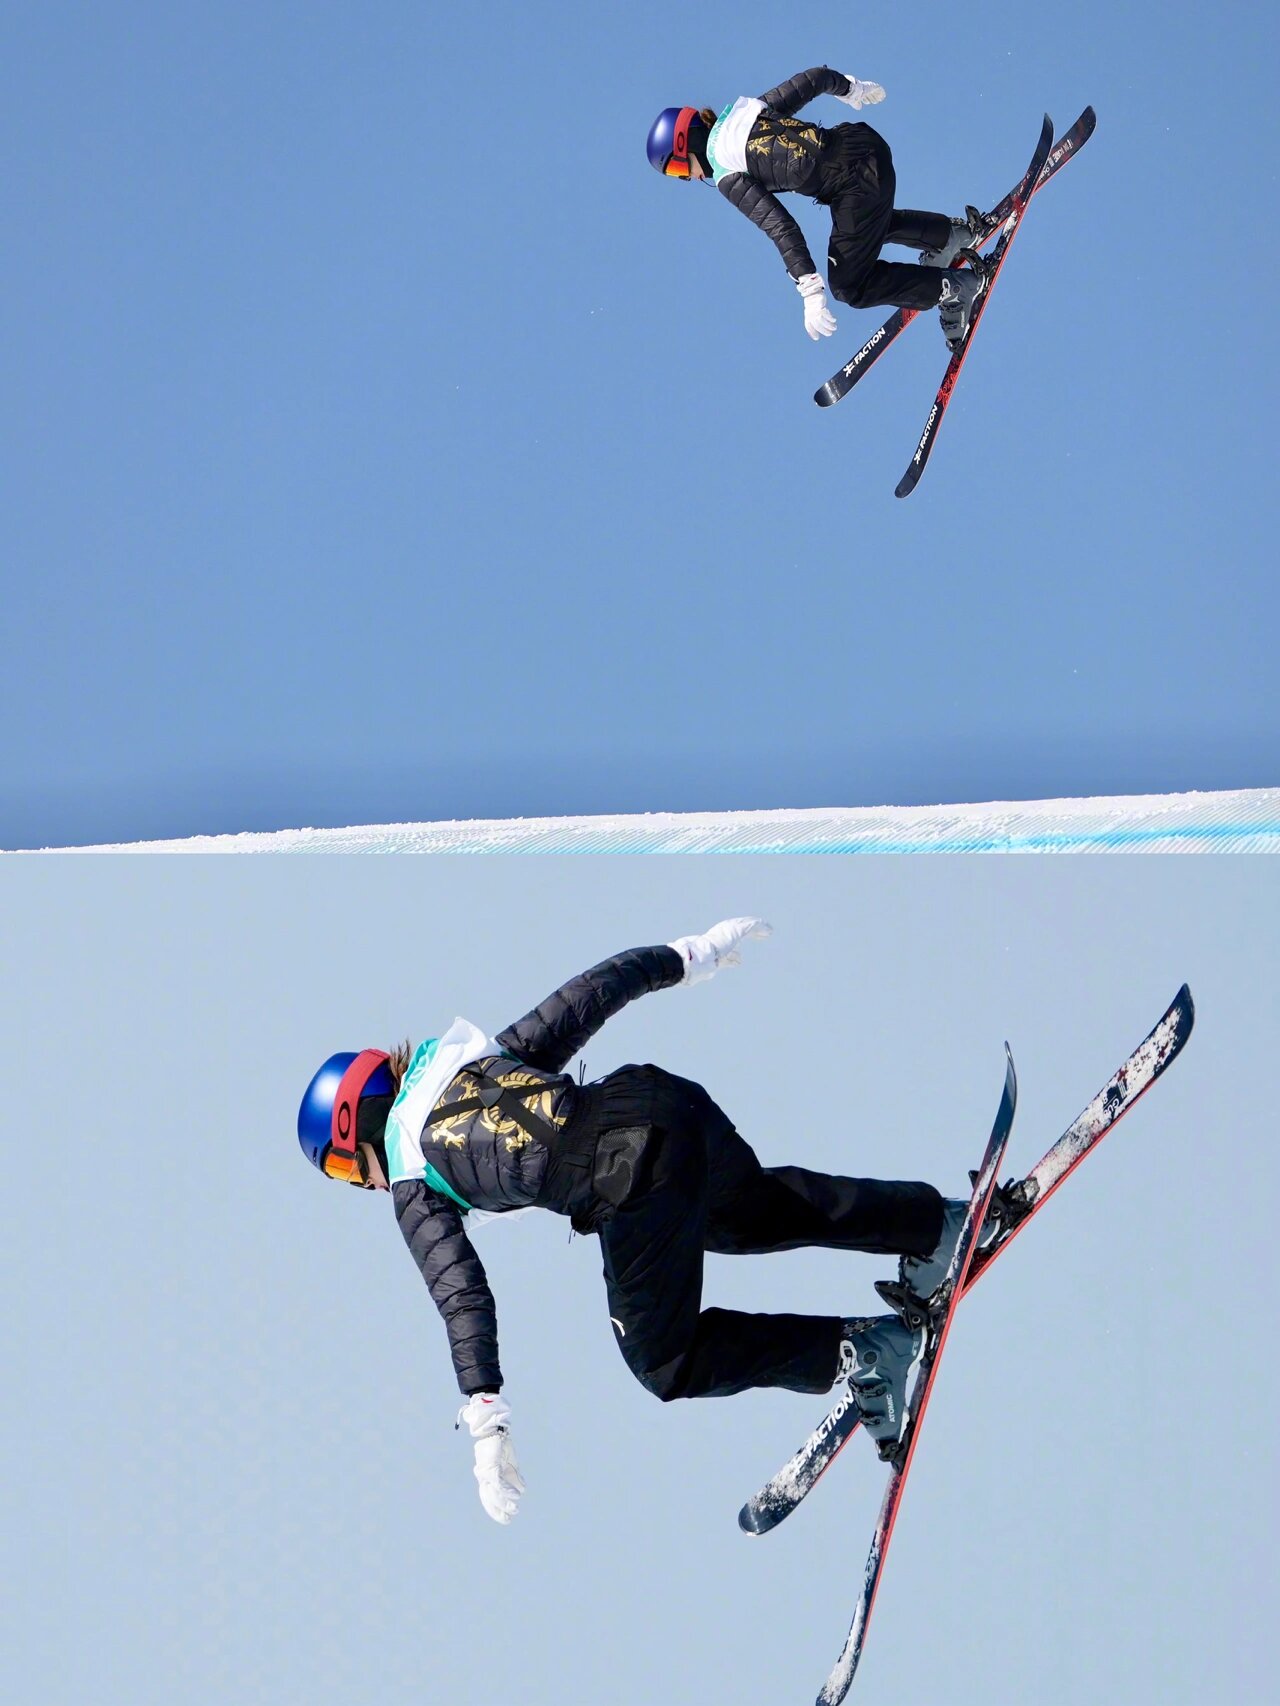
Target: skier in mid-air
column 757, row 148
column 645, row 1160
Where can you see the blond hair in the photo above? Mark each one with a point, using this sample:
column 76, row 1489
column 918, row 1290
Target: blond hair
column 398, row 1061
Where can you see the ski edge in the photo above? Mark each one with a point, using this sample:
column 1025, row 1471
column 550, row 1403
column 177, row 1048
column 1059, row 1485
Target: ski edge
column 842, row 1672
column 933, row 425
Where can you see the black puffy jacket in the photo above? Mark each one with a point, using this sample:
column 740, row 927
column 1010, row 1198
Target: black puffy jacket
column 494, row 1162
column 784, row 155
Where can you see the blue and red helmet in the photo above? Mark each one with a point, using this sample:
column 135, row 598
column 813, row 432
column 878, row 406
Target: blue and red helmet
column 670, row 137
column 328, row 1120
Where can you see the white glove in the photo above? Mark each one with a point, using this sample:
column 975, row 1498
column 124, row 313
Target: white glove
column 861, row 94
column 488, row 1415
column 704, row 955
column 819, row 321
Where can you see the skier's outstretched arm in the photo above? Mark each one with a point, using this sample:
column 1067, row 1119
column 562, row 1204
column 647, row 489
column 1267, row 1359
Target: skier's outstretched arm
column 565, row 1022
column 798, row 91
column 550, row 1036
column 446, row 1258
column 764, row 209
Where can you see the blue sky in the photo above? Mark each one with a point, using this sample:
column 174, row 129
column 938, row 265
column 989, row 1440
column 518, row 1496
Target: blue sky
column 383, row 440
column 228, row 1403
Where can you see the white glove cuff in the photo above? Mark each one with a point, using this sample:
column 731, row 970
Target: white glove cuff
column 811, row 284
column 861, row 93
column 699, row 956
column 485, row 1413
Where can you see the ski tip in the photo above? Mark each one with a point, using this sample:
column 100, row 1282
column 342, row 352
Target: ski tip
column 1183, row 999
column 825, row 395
column 754, row 1523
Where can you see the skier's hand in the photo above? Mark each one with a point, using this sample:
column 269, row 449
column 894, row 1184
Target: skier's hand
column 488, row 1415
column 861, row 94
column 819, row 321
column 704, row 955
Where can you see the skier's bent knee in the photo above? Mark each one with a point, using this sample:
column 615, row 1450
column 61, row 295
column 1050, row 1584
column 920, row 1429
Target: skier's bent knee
column 853, row 295
column 665, row 1383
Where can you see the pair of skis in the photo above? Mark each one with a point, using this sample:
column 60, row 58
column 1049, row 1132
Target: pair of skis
column 1003, row 223
column 1015, row 1204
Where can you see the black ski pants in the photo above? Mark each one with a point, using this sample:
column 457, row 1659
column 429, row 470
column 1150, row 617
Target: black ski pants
column 699, row 1187
column 857, row 182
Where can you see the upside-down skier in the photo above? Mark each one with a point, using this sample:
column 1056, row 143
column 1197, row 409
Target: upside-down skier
column 757, row 148
column 643, row 1159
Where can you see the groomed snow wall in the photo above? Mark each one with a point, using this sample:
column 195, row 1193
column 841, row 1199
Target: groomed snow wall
column 1243, row 821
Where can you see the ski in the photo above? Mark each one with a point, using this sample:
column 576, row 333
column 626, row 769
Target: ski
column 840, row 384
column 1112, row 1102
column 779, row 1497
column 1008, row 231
column 942, row 1308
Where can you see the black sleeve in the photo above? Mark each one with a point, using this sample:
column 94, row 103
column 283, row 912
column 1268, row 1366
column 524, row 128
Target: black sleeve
column 432, row 1228
column 797, row 92
column 550, row 1036
column 765, row 210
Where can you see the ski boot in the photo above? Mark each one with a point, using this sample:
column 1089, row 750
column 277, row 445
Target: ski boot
column 961, row 292
column 878, row 1357
column 965, row 233
column 922, row 1275
column 919, row 1277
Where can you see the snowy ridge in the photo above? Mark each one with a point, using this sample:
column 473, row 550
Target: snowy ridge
column 1241, row 821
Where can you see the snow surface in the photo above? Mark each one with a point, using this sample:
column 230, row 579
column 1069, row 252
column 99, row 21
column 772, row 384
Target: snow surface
column 1240, row 821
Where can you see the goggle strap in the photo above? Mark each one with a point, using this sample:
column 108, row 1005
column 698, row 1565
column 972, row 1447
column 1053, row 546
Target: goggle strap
column 680, row 143
column 342, row 1122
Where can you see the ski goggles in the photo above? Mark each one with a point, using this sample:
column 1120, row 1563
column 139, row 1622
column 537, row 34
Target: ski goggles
column 677, row 165
column 341, row 1157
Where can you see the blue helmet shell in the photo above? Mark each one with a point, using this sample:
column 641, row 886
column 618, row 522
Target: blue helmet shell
column 668, row 135
column 315, row 1116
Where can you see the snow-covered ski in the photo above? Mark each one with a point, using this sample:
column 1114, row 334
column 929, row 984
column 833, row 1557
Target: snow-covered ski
column 942, row 1307
column 840, row 384
column 779, row 1497
column 1008, row 231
